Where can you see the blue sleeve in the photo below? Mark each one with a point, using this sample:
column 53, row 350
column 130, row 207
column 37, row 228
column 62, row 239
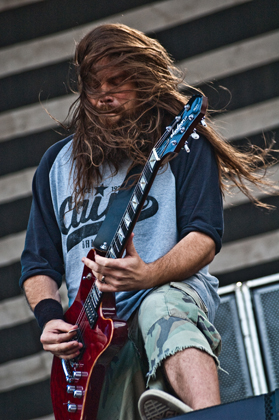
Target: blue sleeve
column 199, row 199
column 42, row 254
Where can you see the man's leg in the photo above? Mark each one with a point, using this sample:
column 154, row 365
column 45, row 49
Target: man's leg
column 192, row 374
column 180, row 339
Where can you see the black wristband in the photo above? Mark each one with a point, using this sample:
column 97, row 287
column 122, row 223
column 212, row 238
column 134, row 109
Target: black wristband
column 46, row 310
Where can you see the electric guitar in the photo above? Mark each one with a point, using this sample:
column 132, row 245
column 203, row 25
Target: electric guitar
column 76, row 384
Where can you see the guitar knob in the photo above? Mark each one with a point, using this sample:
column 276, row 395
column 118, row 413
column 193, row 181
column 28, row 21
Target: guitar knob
column 72, row 408
column 77, row 374
column 78, row 393
column 70, row 389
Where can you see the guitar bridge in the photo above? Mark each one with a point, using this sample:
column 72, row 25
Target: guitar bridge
column 70, row 374
column 67, row 370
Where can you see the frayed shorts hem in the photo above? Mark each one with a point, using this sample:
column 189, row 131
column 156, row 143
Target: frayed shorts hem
column 152, row 374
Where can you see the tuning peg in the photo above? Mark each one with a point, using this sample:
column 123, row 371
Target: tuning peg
column 186, row 147
column 203, row 123
column 195, row 135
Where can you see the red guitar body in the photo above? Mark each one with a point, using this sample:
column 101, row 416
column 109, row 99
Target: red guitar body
column 78, row 397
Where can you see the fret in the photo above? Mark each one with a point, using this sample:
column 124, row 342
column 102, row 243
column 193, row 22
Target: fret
column 124, row 228
column 153, row 158
column 116, row 244
column 143, row 183
column 134, row 202
column 120, row 235
column 127, row 219
column 91, row 312
column 94, row 298
column 138, row 193
column 111, row 252
column 148, row 172
column 97, row 291
column 90, row 300
column 131, row 211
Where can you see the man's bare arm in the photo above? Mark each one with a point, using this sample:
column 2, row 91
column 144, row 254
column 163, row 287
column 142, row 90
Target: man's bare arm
column 193, row 252
column 38, row 288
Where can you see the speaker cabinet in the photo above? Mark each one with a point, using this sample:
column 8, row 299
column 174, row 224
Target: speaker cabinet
column 248, row 321
column 236, row 383
column 266, row 308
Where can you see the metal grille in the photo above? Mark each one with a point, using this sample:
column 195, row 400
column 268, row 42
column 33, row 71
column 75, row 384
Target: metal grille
column 266, row 308
column 236, row 384
column 269, row 409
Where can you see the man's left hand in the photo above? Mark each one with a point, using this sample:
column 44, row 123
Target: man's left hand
column 121, row 274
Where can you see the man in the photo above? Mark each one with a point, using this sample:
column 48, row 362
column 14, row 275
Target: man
column 128, row 94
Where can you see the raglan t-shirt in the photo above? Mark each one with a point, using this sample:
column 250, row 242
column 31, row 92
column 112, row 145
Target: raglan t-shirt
column 184, row 197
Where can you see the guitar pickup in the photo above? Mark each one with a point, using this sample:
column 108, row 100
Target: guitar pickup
column 91, row 306
column 79, row 338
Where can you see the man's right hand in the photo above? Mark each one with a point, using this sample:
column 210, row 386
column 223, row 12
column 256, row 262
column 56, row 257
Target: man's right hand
column 59, row 338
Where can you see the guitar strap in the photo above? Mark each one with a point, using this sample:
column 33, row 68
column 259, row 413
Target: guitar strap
column 115, row 211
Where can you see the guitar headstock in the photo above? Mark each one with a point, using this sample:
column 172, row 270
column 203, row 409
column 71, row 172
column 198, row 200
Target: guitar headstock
column 182, row 127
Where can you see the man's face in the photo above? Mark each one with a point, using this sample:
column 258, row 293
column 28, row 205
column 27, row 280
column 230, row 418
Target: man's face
column 115, row 96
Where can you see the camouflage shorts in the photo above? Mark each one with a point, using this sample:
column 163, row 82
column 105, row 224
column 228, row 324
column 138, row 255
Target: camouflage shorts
column 171, row 318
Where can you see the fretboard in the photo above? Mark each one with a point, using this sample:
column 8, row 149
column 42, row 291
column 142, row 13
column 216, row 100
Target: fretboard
column 134, row 206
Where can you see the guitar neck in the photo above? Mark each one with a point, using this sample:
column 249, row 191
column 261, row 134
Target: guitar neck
column 134, row 206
